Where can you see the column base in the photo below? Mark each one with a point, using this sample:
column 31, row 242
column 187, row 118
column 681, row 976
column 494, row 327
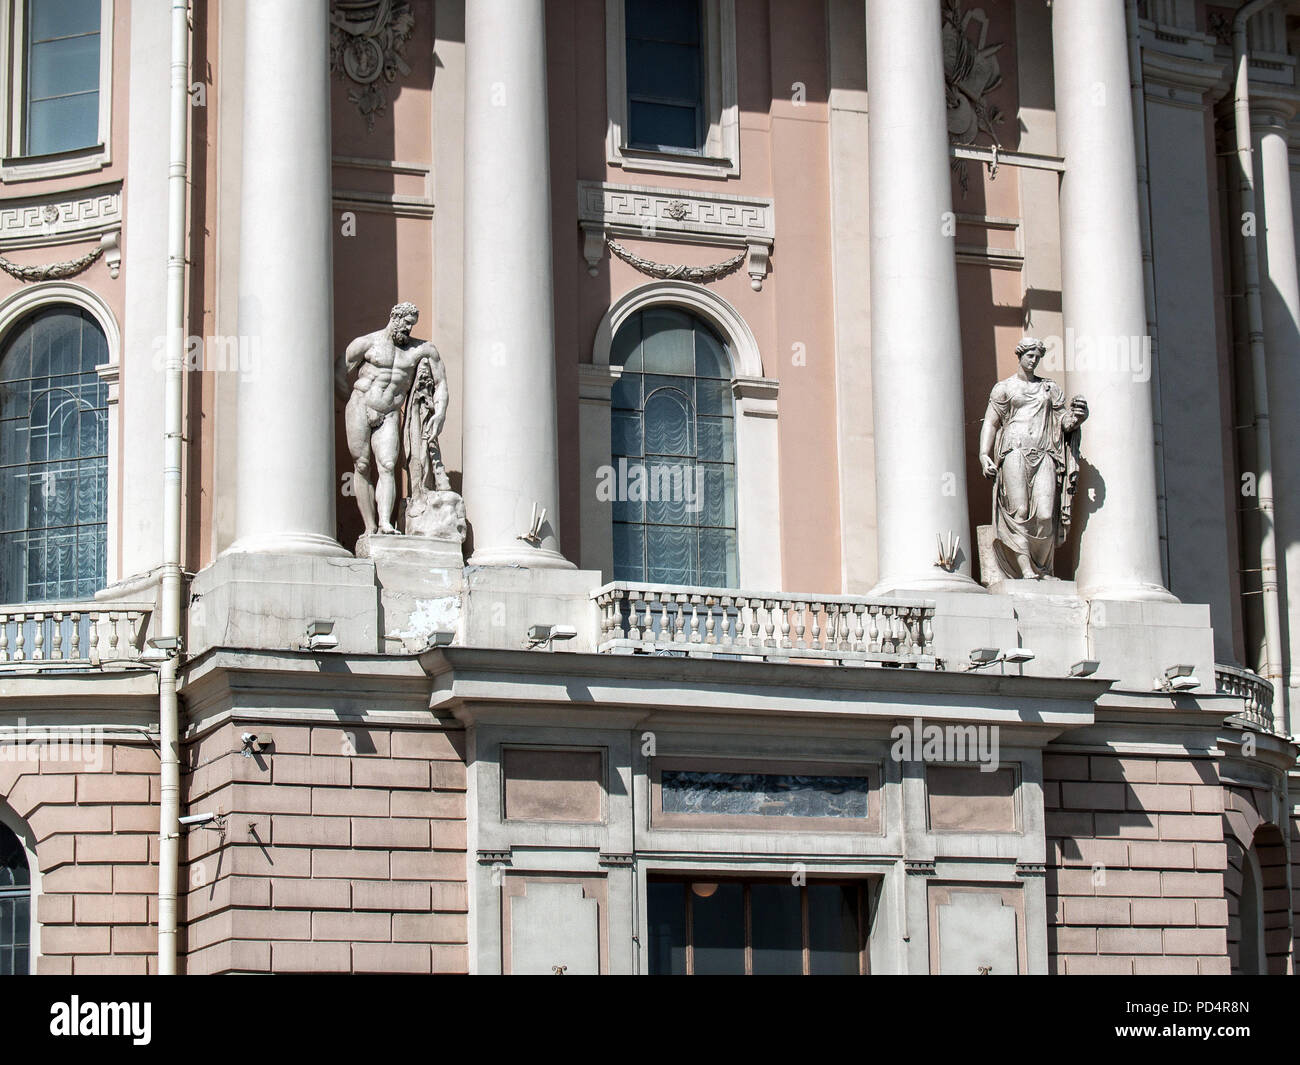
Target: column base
column 1130, row 593
column 289, row 543
column 928, row 583
column 523, row 556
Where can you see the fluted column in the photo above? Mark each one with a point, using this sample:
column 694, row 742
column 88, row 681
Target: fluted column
column 1280, row 296
column 916, row 365
column 1103, row 304
column 511, row 460
column 285, row 492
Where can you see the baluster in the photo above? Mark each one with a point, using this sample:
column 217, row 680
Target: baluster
column 873, row 629
column 710, row 619
column 38, row 643
column 57, row 649
column 679, row 627
column 20, row 637
column 665, row 632
column 927, row 632
column 770, row 626
column 858, row 611
column 728, row 625
column 4, row 637
column 693, row 634
column 633, row 609
column 840, row 630
column 93, row 630
column 114, row 636
column 74, row 637
column 742, row 621
column 816, row 636
column 800, row 624
column 784, row 607
column 896, row 632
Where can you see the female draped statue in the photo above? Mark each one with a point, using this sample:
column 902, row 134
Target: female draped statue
column 1029, row 446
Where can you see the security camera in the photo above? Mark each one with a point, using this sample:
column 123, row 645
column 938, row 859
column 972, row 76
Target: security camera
column 248, row 738
column 197, row 819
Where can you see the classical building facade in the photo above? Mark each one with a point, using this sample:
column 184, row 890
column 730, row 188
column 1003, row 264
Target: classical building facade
column 498, row 486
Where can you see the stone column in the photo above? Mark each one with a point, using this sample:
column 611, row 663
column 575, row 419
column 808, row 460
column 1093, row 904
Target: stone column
column 1107, row 358
column 286, row 481
column 916, row 365
column 511, row 461
column 1280, row 295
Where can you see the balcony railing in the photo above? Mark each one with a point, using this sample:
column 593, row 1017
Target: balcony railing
column 1254, row 691
column 72, row 635
column 776, row 626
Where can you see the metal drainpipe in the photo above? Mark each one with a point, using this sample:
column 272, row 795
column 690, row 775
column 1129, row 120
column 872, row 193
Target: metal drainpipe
column 1137, row 87
column 170, row 626
column 1271, row 669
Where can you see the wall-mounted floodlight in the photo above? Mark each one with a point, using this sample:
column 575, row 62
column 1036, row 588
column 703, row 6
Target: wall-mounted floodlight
column 539, row 635
column 1085, row 667
column 987, row 656
column 166, row 644
column 1178, row 678
column 320, row 635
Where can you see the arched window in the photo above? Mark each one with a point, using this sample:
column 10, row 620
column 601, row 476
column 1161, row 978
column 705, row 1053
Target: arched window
column 15, row 905
column 53, row 458
column 674, row 453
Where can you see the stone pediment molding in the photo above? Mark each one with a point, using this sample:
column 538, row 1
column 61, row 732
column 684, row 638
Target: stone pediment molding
column 607, row 212
column 50, row 221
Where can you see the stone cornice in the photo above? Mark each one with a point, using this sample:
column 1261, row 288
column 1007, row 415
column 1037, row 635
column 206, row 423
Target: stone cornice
column 1177, row 73
column 622, row 690
column 62, row 218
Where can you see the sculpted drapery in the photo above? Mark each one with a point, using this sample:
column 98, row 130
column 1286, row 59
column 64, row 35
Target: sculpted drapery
column 1029, row 447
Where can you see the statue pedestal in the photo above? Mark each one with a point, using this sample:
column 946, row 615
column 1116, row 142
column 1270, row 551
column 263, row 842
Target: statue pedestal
column 421, row 584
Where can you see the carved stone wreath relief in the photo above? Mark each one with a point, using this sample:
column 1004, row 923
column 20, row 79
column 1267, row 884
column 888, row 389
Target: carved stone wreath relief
column 368, row 41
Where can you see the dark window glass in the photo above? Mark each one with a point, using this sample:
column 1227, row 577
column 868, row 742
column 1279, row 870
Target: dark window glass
column 62, row 76
column 834, row 938
column 762, row 927
column 673, row 448
column 15, row 905
column 53, row 458
column 666, row 902
column 776, row 920
column 665, row 96
column 718, row 928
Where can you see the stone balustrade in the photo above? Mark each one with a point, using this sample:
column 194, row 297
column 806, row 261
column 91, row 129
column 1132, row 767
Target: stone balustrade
column 776, row 626
column 54, row 635
column 1255, row 692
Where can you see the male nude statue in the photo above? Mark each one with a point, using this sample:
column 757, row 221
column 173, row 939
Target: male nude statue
column 390, row 360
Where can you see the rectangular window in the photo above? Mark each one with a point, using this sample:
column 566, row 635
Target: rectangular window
column 665, row 75
column 761, row 927
column 61, row 76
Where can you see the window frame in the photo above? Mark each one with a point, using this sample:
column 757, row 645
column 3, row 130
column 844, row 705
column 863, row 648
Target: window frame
column 758, row 485
column 14, row 310
column 864, row 886
column 45, row 533
column 15, row 165
column 654, row 382
column 719, row 156
column 15, row 825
